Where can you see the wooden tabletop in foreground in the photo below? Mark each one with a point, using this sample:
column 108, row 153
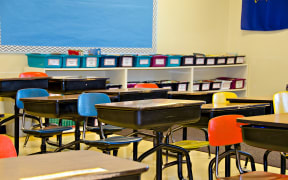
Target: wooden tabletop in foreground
column 89, row 165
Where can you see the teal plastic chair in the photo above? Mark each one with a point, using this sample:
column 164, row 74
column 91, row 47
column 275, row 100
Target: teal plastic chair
column 86, row 108
column 41, row 131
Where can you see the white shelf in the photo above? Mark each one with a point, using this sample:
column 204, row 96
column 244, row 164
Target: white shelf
column 122, row 75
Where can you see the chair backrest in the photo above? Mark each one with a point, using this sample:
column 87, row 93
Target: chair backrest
column 280, row 102
column 221, row 97
column 29, row 92
column 7, row 148
column 32, row 74
column 86, row 102
column 146, row 85
column 224, row 130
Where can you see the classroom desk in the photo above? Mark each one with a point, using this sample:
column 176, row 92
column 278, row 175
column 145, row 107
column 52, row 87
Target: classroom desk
column 154, row 114
column 268, row 99
column 109, row 167
column 203, row 96
column 74, row 85
column 131, row 94
column 9, row 88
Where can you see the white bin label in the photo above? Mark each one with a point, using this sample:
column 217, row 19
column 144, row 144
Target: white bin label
column 205, row 86
column 188, row 61
column 210, row 61
column 200, row 61
column 127, row 61
column 143, row 61
column 174, row 61
column 221, row 61
column 53, row 62
column 160, row 61
column 182, row 87
column 240, row 60
column 216, row 85
column 91, row 61
column 71, row 62
column 109, row 62
column 239, row 84
column 196, row 87
column 230, row 61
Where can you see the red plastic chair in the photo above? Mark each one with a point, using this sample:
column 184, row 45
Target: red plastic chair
column 7, row 148
column 225, row 131
column 32, row 74
column 146, row 85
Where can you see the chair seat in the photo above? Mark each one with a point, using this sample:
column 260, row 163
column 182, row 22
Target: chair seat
column 107, row 129
column 48, row 131
column 113, row 142
column 191, row 144
column 257, row 175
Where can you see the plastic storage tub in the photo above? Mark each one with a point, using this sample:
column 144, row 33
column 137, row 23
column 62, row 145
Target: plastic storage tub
column 201, row 85
column 214, row 84
column 239, row 59
column 200, row 60
column 126, row 60
column 44, row 60
column 230, row 60
column 236, row 83
column 142, row 61
column 210, row 60
column 225, row 84
column 221, row 60
column 187, row 61
column 158, row 61
column 90, row 61
column 70, row 61
column 173, row 60
column 108, row 61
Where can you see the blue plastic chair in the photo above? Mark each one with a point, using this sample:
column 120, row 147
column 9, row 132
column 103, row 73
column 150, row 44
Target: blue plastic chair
column 38, row 131
column 86, row 108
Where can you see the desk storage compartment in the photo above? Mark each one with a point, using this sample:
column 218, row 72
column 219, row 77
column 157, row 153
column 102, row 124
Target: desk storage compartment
column 237, row 83
column 113, row 86
column 108, row 61
column 90, row 61
column 44, row 60
column 221, row 60
column 230, row 60
column 126, row 60
column 239, row 60
column 158, row 61
column 70, row 61
column 173, row 60
column 187, row 61
column 271, row 138
column 142, row 61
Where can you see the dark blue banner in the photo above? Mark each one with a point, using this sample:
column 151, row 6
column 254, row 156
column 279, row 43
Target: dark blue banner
column 264, row 15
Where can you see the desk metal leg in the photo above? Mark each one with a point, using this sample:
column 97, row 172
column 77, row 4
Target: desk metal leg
column 227, row 162
column 159, row 138
column 16, row 128
column 77, row 134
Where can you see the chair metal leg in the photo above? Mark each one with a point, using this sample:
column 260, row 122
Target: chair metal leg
column 115, row 152
column 43, row 145
column 179, row 165
column 206, row 138
column 26, row 140
column 265, row 160
column 283, row 163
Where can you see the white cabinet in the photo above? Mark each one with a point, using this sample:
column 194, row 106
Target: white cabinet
column 183, row 73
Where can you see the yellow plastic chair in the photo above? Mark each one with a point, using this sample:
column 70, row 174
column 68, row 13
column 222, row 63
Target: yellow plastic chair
column 221, row 97
column 280, row 105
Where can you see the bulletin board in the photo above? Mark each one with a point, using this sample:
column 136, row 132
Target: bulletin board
column 124, row 26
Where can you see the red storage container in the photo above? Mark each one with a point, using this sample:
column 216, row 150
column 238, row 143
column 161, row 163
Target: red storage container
column 158, row 61
column 237, row 83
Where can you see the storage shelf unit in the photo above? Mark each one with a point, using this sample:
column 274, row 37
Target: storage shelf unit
column 120, row 75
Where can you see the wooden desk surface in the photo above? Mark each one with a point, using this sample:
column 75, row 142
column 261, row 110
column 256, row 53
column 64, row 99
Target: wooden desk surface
column 72, row 97
column 149, row 104
column 214, row 107
column 43, row 164
column 273, row 120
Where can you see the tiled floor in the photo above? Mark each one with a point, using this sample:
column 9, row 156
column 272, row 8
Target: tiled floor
column 199, row 160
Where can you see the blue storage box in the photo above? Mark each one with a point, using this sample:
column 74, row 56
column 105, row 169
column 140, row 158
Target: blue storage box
column 142, row 61
column 44, row 60
column 90, row 61
column 71, row 61
column 108, row 61
column 173, row 60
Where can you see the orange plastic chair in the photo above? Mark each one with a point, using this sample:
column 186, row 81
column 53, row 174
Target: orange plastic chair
column 32, row 74
column 7, row 148
column 225, row 131
column 146, row 85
